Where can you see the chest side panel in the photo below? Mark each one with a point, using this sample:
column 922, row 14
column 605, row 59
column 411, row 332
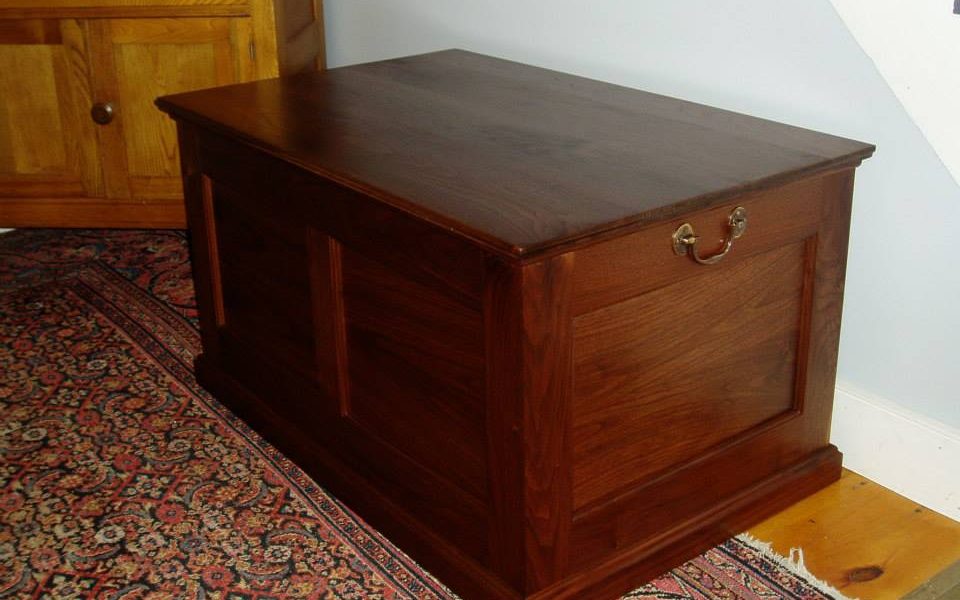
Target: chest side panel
column 692, row 382
column 664, row 376
column 358, row 330
column 415, row 369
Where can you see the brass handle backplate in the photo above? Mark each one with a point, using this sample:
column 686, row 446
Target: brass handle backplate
column 685, row 240
column 102, row 113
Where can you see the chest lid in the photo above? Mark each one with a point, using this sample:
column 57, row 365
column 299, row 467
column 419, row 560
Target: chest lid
column 516, row 158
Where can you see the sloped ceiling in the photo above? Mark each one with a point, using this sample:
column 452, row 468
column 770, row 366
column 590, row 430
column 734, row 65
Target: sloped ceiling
column 916, row 47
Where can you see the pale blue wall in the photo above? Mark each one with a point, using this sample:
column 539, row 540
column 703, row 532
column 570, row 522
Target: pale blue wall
column 789, row 60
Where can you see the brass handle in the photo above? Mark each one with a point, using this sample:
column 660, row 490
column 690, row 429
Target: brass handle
column 102, row 113
column 685, row 240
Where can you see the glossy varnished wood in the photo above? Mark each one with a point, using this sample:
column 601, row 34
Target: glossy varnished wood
column 353, row 304
column 59, row 57
column 606, row 273
column 721, row 349
column 546, row 354
column 445, row 285
column 426, row 348
column 681, row 539
column 503, row 330
column 520, row 159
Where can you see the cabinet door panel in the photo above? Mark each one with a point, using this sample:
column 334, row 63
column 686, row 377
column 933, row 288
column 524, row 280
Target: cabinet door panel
column 140, row 59
column 45, row 135
column 30, row 109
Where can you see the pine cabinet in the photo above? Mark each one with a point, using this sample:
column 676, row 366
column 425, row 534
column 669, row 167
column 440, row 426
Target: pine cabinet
column 81, row 143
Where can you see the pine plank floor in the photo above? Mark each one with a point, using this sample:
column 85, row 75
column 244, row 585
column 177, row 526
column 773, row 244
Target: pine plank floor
column 869, row 542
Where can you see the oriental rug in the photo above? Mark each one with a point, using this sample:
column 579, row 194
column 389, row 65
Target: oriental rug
column 122, row 479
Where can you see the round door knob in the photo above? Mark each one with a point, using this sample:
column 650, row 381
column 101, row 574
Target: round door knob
column 102, row 113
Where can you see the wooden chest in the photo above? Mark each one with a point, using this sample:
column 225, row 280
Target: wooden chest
column 464, row 294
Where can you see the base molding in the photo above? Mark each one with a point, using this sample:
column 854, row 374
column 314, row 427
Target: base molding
column 908, row 453
column 397, row 523
column 632, row 568
column 620, row 574
column 92, row 213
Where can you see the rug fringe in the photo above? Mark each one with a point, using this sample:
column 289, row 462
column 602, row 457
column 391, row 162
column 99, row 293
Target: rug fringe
column 793, row 563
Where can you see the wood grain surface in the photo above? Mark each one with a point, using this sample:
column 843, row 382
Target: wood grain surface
column 720, row 349
column 556, row 418
column 864, row 539
column 514, row 157
column 60, row 57
column 46, row 141
column 55, row 9
column 546, row 353
column 426, row 348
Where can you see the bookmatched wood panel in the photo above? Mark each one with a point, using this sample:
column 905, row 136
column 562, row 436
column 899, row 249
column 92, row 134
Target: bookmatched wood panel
column 720, row 348
column 427, row 351
column 430, row 500
column 341, row 298
column 256, row 267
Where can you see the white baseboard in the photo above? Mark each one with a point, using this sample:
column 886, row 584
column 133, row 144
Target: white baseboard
column 908, row 453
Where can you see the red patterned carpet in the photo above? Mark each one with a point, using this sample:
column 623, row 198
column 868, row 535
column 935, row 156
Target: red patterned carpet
column 120, row 478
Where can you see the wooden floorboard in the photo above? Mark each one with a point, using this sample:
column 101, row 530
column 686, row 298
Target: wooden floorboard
column 945, row 586
column 867, row 541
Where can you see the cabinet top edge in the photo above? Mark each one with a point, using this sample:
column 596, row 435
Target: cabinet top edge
column 47, row 4
column 520, row 160
column 65, row 9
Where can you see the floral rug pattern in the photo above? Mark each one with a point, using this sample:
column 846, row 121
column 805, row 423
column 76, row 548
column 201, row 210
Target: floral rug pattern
column 122, row 479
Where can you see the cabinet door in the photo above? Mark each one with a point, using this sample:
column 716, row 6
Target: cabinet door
column 136, row 60
column 47, row 143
